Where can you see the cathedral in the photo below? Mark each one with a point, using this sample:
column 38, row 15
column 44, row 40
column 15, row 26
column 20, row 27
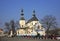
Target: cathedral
column 30, row 27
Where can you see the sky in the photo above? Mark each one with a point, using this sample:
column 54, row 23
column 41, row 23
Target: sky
column 10, row 9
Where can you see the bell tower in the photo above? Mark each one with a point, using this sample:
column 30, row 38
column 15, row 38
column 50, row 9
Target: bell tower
column 22, row 20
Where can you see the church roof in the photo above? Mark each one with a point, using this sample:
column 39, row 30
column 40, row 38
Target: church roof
column 22, row 18
column 34, row 18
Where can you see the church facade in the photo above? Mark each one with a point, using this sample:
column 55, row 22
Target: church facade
column 30, row 27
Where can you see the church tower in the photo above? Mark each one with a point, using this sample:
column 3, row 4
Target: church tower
column 22, row 20
column 34, row 18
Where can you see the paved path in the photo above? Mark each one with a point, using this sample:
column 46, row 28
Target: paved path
column 24, row 39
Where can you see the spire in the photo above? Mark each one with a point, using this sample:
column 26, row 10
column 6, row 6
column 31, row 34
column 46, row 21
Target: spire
column 33, row 12
column 22, row 12
column 22, row 15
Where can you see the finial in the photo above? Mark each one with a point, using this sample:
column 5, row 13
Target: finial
column 21, row 10
column 33, row 12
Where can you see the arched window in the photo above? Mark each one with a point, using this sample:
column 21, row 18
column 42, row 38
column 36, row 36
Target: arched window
column 18, row 32
column 38, row 27
column 22, row 25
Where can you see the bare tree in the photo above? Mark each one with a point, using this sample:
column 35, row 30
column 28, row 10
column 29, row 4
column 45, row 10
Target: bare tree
column 17, row 24
column 48, row 22
column 7, row 27
column 12, row 25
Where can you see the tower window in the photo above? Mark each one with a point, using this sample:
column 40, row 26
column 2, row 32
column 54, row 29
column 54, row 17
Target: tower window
column 22, row 25
column 38, row 27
